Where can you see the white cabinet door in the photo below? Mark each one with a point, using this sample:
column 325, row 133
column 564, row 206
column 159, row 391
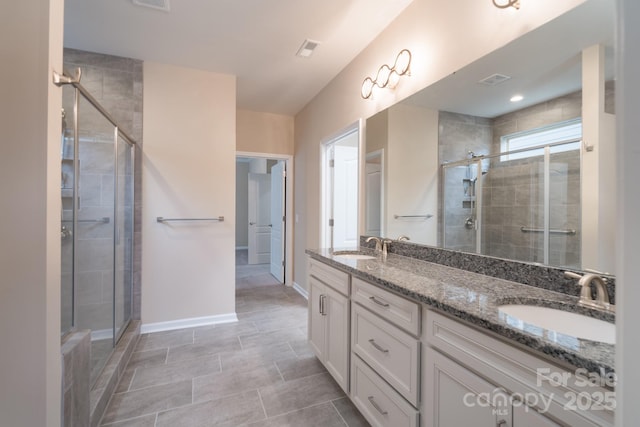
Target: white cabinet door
column 329, row 329
column 316, row 317
column 337, row 337
column 457, row 397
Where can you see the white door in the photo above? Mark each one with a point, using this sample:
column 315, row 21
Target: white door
column 345, row 195
column 259, row 218
column 277, row 220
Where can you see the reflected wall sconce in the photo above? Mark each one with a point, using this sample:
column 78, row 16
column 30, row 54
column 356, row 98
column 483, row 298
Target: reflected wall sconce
column 388, row 76
column 507, row 3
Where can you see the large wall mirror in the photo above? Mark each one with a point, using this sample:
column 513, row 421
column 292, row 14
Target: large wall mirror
column 464, row 165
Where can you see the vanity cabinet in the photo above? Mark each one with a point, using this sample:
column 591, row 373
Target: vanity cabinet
column 403, row 363
column 329, row 319
column 472, row 375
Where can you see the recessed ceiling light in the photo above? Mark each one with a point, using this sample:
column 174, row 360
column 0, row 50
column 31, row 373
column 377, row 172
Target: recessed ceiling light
column 516, row 98
column 307, row 48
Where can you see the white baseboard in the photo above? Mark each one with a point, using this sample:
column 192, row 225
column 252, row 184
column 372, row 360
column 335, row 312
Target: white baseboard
column 188, row 323
column 302, row 291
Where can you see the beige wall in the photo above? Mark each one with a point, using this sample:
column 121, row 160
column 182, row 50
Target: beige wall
column 264, row 132
column 30, row 372
column 188, row 172
column 433, row 34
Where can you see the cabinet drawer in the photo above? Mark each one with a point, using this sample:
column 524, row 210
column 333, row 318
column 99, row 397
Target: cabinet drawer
column 391, row 352
column 338, row 280
column 380, row 404
column 397, row 310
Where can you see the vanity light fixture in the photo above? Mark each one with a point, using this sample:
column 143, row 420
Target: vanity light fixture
column 509, row 3
column 388, row 76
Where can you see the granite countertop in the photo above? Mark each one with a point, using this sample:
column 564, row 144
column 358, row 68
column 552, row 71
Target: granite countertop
column 476, row 298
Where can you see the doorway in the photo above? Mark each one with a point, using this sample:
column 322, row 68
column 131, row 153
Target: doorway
column 263, row 232
column 340, row 182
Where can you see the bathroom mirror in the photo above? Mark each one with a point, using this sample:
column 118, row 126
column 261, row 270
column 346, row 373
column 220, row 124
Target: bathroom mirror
column 454, row 165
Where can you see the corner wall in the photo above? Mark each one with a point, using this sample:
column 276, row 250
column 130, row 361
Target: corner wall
column 30, row 372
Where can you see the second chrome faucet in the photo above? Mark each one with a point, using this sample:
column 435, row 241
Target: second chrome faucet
column 382, row 245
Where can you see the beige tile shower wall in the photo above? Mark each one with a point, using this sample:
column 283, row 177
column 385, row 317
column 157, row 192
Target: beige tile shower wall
column 438, row 47
column 188, row 172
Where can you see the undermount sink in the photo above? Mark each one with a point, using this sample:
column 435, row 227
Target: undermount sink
column 563, row 322
column 352, row 255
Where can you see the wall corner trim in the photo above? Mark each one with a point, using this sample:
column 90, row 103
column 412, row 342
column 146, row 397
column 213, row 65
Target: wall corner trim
column 188, row 323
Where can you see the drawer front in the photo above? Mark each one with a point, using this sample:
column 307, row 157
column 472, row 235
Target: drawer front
column 338, row 280
column 377, row 401
column 399, row 311
column 391, row 352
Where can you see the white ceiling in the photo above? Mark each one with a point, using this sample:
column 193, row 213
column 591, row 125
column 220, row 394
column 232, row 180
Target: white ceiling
column 256, row 40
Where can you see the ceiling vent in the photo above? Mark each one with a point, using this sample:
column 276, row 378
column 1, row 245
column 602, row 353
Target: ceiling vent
column 162, row 5
column 307, row 48
column 494, row 80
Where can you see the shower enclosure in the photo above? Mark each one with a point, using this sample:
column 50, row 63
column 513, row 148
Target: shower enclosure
column 97, row 222
column 522, row 205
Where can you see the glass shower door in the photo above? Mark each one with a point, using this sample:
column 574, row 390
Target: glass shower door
column 123, row 282
column 94, row 242
column 564, row 207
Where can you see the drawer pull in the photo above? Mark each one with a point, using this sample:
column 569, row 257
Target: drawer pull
column 501, row 423
column 377, row 301
column 375, row 405
column 377, row 346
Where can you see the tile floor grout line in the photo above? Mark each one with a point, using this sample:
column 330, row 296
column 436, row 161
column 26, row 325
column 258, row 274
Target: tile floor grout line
column 299, row 409
column 275, row 362
column 338, row 411
column 240, row 341
column 266, row 417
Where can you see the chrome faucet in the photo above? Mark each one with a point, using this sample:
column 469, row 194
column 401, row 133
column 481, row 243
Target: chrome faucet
column 601, row 301
column 403, row 237
column 382, row 245
column 378, row 242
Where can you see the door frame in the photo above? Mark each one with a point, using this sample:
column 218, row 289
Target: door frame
column 356, row 126
column 288, row 230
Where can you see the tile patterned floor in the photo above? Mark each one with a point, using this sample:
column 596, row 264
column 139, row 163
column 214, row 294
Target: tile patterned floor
column 256, row 372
